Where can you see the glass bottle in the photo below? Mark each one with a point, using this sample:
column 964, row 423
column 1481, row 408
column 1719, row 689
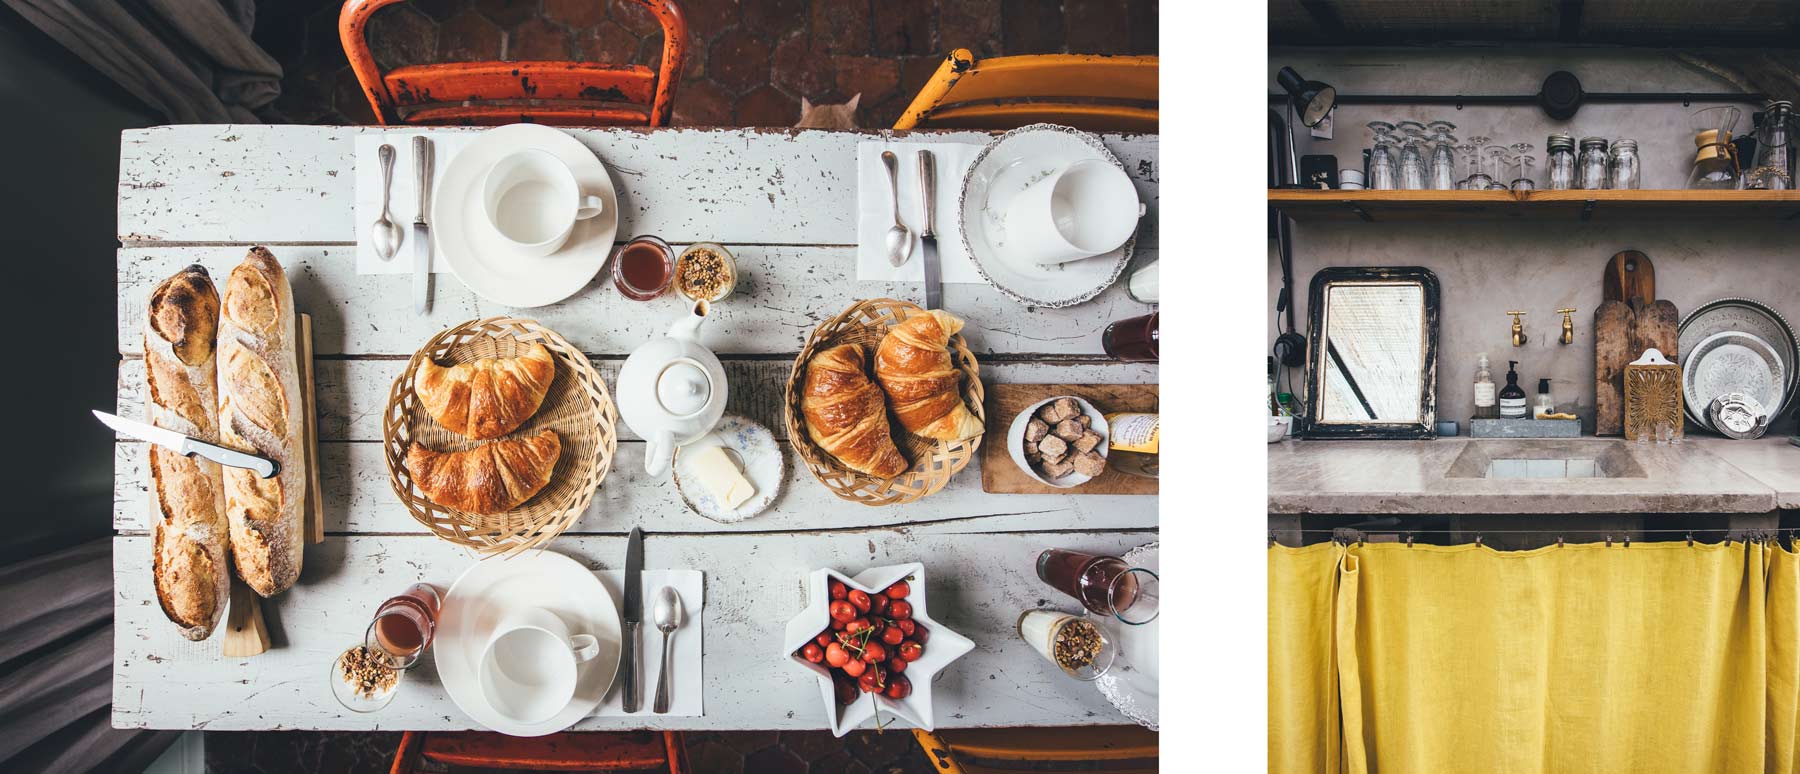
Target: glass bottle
column 1715, row 162
column 1773, row 169
column 1624, row 170
column 1133, row 340
column 1590, row 174
column 1559, row 161
column 1485, row 405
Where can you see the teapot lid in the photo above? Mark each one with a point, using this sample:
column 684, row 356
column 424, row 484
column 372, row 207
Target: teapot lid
column 683, row 388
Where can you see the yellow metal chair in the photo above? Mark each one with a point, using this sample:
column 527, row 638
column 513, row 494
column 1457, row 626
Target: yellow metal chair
column 1113, row 749
column 1096, row 93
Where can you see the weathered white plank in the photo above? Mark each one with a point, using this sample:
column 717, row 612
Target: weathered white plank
column 753, row 586
column 784, row 294
column 352, row 394
column 359, row 499
column 296, row 184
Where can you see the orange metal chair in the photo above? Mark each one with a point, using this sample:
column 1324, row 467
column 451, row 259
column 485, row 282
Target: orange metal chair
column 492, row 93
column 1096, row 93
column 1111, row 749
column 611, row 751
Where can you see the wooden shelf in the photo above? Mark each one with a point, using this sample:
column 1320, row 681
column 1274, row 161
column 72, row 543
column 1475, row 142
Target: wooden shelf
column 1403, row 206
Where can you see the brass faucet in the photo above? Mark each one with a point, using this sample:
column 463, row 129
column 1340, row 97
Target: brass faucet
column 1568, row 334
column 1518, row 331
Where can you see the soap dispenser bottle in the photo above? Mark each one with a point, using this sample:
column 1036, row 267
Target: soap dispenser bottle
column 1545, row 403
column 1512, row 396
column 1485, row 408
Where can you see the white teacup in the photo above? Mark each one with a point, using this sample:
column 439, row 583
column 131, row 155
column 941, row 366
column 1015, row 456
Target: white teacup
column 532, row 200
column 529, row 668
column 1087, row 208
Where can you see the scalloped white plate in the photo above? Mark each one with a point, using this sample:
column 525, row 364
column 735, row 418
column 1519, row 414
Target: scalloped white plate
column 1134, row 689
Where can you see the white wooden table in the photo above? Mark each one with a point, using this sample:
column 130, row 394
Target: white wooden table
column 784, row 202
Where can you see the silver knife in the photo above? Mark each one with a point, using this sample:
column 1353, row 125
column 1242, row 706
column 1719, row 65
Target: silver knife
column 634, row 618
column 189, row 447
column 421, row 231
column 934, row 292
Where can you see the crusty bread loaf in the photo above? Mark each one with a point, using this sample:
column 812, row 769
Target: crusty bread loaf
column 259, row 411
column 187, row 497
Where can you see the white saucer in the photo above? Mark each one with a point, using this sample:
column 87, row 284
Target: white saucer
column 1135, row 691
column 551, row 580
column 1003, row 169
column 757, row 454
column 485, row 261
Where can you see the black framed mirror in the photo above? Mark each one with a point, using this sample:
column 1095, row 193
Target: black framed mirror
column 1371, row 371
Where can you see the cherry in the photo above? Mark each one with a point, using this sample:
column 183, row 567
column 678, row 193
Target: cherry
column 842, row 611
column 897, row 664
column 853, row 668
column 855, row 626
column 812, row 652
column 893, row 635
column 897, row 591
column 900, row 610
column 836, row 655
column 907, row 626
column 836, row 625
column 846, row 688
column 860, row 599
column 873, row 680
column 823, row 639
column 879, row 603
column 874, row 653
column 911, row 651
column 920, row 633
column 899, row 687
column 838, row 590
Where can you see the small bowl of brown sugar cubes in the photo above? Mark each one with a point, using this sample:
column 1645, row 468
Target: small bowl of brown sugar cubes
column 1060, row 442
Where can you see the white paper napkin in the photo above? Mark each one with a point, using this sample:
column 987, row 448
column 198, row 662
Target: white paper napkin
column 875, row 214
column 688, row 642
column 404, row 204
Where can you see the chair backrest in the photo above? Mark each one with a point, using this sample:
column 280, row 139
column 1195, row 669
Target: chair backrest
column 490, row 93
column 1112, row 749
column 621, row 751
column 1095, row 93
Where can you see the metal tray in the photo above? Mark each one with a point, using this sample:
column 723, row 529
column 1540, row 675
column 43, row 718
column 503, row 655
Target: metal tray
column 1747, row 316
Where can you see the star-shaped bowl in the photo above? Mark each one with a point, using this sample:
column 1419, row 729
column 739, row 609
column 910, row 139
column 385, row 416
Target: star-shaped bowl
column 944, row 646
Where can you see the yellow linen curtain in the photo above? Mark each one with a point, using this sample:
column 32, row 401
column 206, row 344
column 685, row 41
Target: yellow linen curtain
column 1660, row 657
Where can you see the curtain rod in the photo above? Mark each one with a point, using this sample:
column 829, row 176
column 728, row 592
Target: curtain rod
column 1614, row 97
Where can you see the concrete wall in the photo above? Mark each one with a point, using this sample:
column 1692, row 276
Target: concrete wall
column 1486, row 268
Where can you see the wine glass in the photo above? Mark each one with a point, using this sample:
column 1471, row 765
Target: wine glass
column 1498, row 156
column 1382, row 173
column 1522, row 156
column 1478, row 176
column 1412, row 161
column 1443, row 156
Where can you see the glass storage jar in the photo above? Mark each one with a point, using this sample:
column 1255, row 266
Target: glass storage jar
column 1590, row 173
column 1624, row 171
column 1559, row 162
column 1773, row 167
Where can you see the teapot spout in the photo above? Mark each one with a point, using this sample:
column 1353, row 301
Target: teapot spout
column 688, row 327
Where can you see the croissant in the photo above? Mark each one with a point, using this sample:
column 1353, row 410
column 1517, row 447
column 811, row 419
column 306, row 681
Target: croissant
column 486, row 398
column 490, row 478
column 913, row 365
column 846, row 415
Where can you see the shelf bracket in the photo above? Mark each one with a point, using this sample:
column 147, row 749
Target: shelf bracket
column 1587, row 210
column 1360, row 212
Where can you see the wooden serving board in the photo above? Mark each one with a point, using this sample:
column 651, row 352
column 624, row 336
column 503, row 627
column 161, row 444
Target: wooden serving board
column 1629, row 321
column 1000, row 475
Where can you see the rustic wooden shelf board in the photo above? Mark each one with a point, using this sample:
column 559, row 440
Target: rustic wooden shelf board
column 1405, row 206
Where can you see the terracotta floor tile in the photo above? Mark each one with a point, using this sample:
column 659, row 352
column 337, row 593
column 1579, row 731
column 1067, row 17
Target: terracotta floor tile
column 738, row 60
column 579, row 14
column 539, row 38
column 767, row 106
column 468, row 37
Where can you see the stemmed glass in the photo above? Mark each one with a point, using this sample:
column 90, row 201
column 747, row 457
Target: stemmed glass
column 1382, row 174
column 1412, row 161
column 1522, row 155
column 1478, row 176
column 1443, row 156
column 1499, row 156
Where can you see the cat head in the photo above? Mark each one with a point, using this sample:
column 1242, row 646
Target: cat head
column 828, row 116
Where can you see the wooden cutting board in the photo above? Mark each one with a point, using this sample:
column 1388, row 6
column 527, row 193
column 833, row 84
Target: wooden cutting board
column 1000, row 475
column 1629, row 321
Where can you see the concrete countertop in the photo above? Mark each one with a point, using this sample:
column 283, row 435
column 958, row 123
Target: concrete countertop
column 1701, row 475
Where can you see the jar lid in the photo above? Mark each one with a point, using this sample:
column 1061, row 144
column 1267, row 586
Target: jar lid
column 1778, row 105
column 1593, row 142
column 1624, row 143
column 1560, row 140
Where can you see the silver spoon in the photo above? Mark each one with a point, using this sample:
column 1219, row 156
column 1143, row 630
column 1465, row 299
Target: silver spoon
column 899, row 240
column 386, row 234
column 668, row 619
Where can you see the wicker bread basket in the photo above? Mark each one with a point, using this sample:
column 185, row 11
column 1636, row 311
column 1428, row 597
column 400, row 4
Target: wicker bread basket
column 578, row 407
column 933, row 462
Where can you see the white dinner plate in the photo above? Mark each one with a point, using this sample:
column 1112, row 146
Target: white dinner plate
column 473, row 606
column 1134, row 690
column 1004, row 168
column 482, row 259
column 753, row 448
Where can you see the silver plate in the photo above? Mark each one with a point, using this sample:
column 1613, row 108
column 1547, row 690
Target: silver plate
column 1733, row 362
column 1749, row 316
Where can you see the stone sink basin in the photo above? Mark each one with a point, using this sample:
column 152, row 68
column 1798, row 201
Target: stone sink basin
column 1545, row 458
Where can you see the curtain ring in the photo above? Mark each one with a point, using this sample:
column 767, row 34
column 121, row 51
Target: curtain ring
column 1409, row 539
column 1559, row 541
column 1477, row 538
column 1628, row 540
column 1609, row 541
column 1690, row 539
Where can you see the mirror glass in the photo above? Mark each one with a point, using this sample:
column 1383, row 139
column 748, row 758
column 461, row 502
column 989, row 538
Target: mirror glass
column 1373, row 368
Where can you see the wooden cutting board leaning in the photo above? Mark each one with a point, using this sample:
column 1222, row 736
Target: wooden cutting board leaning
column 1000, row 475
column 1629, row 320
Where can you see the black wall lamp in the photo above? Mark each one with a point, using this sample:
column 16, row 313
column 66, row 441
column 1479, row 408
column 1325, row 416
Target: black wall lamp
column 1311, row 102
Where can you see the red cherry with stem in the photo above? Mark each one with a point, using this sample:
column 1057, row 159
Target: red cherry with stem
column 911, row 651
column 853, row 668
column 874, row 652
column 856, row 626
column 836, row 655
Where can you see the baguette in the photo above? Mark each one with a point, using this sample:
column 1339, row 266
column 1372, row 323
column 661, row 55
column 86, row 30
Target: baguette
column 259, row 411
column 190, row 562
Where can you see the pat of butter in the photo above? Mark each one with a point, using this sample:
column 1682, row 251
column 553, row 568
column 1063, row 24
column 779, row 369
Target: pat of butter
column 721, row 477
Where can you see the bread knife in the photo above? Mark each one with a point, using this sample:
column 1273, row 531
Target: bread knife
column 189, row 447
column 421, row 231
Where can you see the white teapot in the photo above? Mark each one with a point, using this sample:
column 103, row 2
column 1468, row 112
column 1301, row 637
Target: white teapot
column 672, row 390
